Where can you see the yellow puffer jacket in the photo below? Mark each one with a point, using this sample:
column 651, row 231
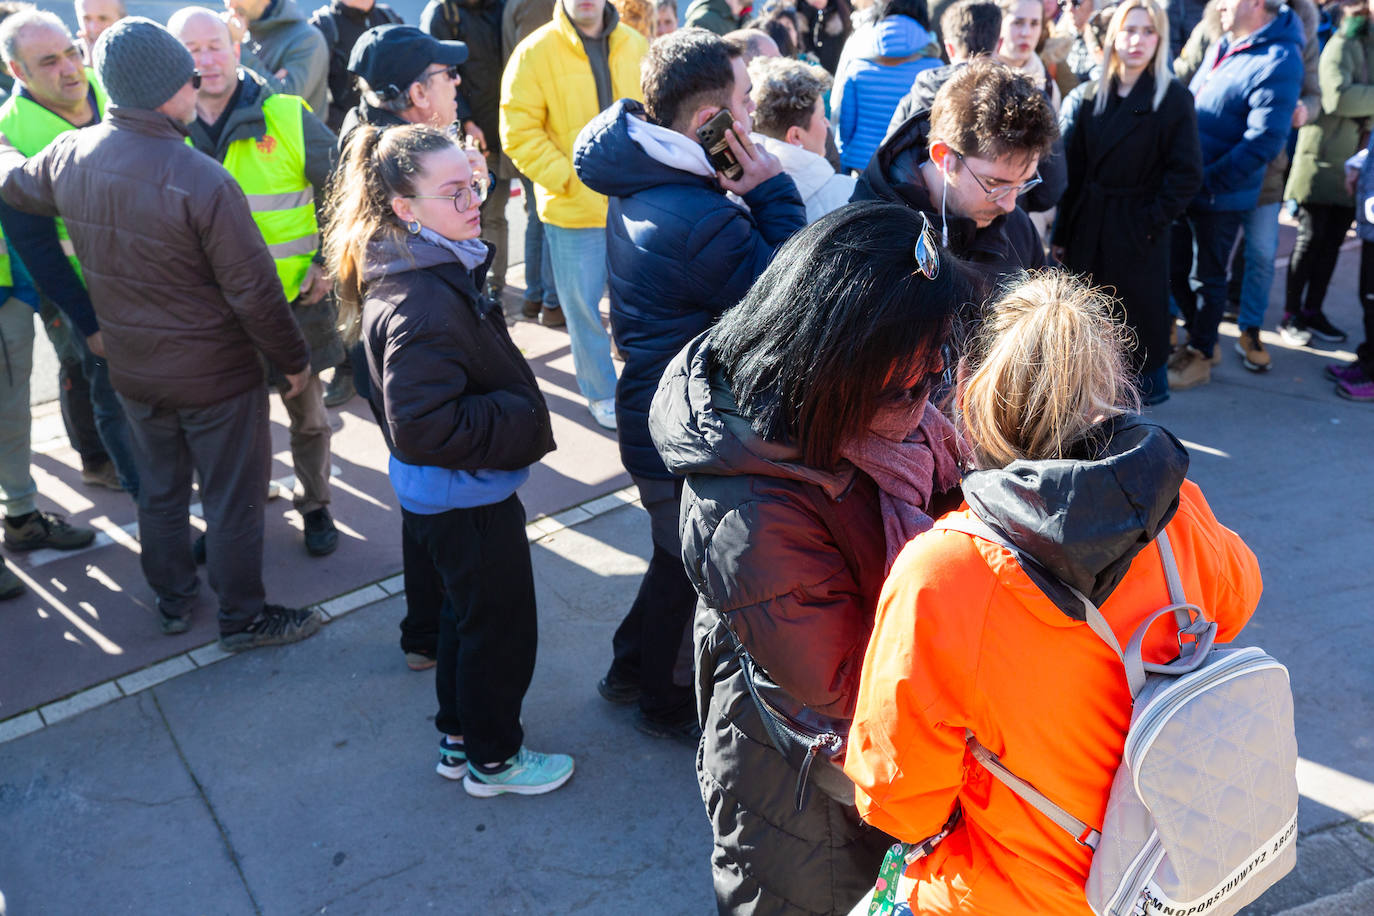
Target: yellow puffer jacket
column 548, row 94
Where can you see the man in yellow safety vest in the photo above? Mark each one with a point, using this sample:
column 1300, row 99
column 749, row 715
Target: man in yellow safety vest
column 282, row 156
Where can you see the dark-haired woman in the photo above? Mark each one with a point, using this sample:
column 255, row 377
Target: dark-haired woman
column 463, row 419
column 801, row 424
column 1131, row 145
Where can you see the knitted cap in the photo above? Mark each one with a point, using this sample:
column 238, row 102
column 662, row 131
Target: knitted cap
column 140, row 63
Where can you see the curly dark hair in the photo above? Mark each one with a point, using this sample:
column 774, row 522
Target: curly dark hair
column 988, row 110
column 684, row 71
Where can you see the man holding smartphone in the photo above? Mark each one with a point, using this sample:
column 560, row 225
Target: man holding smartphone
column 556, row 81
column 680, row 253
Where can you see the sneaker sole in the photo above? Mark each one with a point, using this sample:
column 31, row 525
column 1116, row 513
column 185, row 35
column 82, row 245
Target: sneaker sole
column 491, row 790
column 448, row 772
column 1330, row 338
column 232, row 644
column 1332, row 375
column 1340, row 390
column 1245, row 361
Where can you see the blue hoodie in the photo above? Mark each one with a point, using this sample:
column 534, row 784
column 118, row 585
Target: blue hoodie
column 679, row 252
column 870, row 91
column 1245, row 93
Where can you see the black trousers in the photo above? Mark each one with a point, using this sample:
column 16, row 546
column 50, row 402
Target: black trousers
column 648, row 642
column 487, row 626
column 424, row 598
column 1321, row 230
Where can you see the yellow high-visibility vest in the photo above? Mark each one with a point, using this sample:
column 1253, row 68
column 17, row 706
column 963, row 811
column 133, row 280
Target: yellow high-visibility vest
column 29, row 127
column 271, row 172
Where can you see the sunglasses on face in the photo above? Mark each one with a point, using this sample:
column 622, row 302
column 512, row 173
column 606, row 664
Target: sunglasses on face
column 994, row 195
column 451, row 70
column 463, row 199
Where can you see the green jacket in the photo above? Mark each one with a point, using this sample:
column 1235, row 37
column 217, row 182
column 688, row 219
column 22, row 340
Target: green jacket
column 1340, row 131
column 712, row 15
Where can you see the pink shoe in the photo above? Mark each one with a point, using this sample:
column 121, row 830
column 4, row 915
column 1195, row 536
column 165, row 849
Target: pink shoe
column 1363, row 390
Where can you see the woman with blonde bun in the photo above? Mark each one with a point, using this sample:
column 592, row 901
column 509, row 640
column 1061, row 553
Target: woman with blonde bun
column 1065, row 469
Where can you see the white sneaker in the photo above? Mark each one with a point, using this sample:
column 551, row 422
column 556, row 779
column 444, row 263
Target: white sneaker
column 603, row 412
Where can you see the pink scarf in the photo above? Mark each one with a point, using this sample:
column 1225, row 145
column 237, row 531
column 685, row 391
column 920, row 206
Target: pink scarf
column 908, row 465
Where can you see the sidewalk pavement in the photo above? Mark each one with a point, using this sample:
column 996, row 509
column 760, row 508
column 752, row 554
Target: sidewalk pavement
column 301, row 779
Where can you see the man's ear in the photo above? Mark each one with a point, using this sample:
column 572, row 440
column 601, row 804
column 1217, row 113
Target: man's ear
column 17, row 72
column 702, row 115
column 941, row 154
column 794, row 135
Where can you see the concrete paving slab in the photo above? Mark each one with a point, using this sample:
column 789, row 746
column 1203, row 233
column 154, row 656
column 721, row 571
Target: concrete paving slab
column 353, row 600
column 1359, row 899
column 101, row 815
column 1336, row 859
column 20, row 726
column 79, row 703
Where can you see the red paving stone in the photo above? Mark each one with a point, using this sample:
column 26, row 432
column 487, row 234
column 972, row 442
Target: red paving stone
column 89, row 617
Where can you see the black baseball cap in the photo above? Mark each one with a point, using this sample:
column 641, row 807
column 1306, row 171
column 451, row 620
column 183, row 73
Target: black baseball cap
column 391, row 57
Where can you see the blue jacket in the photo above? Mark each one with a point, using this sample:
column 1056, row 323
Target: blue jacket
column 679, row 253
column 870, row 91
column 1245, row 93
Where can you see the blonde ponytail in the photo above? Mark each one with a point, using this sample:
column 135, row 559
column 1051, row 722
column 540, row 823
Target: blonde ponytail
column 1047, row 367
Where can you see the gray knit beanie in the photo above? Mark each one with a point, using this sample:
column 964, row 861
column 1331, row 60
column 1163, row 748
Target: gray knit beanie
column 140, row 63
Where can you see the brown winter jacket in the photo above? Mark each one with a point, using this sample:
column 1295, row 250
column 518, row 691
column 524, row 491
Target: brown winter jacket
column 179, row 275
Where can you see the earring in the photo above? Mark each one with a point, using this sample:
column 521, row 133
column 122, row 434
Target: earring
column 413, row 227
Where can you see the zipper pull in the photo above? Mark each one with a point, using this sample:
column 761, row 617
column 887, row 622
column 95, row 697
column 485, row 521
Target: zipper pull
column 820, row 741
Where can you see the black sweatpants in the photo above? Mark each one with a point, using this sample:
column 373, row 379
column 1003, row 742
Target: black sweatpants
column 487, row 626
column 1365, row 351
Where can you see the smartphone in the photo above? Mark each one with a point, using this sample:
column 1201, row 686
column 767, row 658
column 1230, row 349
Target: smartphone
column 711, row 136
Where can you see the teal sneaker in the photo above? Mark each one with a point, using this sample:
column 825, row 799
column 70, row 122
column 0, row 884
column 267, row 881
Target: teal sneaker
column 453, row 760
column 527, row 773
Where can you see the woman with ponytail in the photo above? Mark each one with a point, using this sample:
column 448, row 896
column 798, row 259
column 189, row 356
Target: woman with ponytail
column 464, row 419
column 966, row 641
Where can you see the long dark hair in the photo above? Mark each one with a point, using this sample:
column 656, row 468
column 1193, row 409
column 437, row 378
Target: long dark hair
column 836, row 327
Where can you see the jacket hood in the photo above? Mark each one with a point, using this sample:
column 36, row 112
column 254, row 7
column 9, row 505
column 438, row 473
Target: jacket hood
column 1085, row 518
column 611, row 158
column 697, row 428
column 279, row 14
column 899, row 36
column 1286, row 28
column 808, row 171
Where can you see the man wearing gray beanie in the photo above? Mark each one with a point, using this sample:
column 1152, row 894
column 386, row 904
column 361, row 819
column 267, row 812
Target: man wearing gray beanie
column 187, row 297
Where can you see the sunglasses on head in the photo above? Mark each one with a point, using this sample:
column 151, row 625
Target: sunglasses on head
column 926, row 252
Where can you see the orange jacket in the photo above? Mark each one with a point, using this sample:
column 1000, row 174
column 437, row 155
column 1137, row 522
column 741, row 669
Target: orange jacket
column 964, row 639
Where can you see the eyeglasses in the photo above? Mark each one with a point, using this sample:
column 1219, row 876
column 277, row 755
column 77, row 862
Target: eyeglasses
column 451, row 70
column 195, row 80
column 463, row 199
column 927, row 255
column 1000, row 193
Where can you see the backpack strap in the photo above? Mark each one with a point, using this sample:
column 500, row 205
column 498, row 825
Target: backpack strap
column 1032, row 796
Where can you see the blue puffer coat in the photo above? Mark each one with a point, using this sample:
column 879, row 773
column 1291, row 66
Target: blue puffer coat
column 1245, row 93
column 870, row 89
column 679, row 254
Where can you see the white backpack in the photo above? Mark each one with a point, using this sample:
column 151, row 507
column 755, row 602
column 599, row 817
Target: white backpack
column 1202, row 816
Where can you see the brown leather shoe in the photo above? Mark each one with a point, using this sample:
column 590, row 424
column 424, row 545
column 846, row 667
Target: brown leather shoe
column 1189, row 368
column 552, row 318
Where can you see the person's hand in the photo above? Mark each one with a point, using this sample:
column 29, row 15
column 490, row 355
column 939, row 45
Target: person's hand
column 759, row 165
column 315, row 285
column 295, row 383
column 1058, row 252
column 96, row 343
column 476, row 160
column 281, row 74
column 1300, row 115
column 233, row 21
column 475, row 134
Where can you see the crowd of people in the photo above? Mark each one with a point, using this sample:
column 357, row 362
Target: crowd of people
column 872, row 267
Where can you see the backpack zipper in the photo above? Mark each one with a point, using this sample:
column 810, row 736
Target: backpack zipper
column 1168, row 701
column 1145, row 862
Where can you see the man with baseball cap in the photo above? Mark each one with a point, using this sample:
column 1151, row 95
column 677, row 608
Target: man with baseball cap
column 187, row 296
column 408, row 77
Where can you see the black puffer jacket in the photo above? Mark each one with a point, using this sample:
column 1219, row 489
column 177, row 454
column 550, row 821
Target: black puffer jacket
column 449, row 387
column 1005, row 246
column 788, row 560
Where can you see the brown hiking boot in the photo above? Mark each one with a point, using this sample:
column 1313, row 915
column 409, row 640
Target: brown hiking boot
column 1189, row 368
column 1253, row 356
